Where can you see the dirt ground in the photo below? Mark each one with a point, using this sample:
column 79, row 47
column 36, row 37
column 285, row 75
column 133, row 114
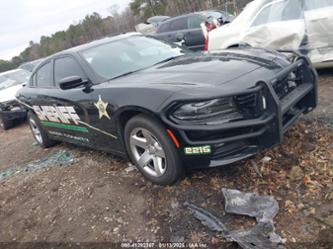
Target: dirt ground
column 94, row 198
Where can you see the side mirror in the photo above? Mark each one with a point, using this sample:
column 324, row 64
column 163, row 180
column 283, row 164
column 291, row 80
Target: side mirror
column 72, row 82
column 180, row 37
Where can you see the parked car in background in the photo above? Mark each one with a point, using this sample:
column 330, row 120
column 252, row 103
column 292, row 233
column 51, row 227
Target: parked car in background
column 188, row 28
column 150, row 25
column 166, row 107
column 303, row 25
column 10, row 110
column 156, row 20
column 29, row 66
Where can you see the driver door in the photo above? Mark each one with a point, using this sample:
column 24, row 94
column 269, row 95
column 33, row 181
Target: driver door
column 64, row 114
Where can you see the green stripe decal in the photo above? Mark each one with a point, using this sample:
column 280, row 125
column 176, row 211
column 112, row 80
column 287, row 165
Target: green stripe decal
column 65, row 126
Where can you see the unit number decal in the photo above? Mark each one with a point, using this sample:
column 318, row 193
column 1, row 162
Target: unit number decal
column 201, row 150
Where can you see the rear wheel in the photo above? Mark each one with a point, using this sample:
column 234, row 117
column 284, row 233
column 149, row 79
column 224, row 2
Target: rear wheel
column 153, row 152
column 6, row 124
column 38, row 132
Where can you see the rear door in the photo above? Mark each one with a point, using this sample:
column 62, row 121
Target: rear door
column 318, row 17
column 64, row 114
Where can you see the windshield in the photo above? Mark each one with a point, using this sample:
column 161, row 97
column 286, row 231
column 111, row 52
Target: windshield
column 13, row 78
column 128, row 55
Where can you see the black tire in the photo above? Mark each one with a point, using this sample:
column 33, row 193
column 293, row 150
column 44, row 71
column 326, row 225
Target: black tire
column 44, row 140
column 173, row 166
column 6, row 124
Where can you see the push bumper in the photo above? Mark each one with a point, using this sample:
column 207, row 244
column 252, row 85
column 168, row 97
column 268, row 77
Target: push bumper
column 235, row 141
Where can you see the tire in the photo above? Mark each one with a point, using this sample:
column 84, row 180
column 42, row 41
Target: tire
column 6, row 124
column 38, row 132
column 146, row 140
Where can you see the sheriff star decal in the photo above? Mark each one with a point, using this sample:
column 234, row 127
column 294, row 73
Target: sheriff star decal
column 102, row 108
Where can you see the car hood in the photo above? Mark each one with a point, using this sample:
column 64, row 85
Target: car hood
column 8, row 94
column 211, row 69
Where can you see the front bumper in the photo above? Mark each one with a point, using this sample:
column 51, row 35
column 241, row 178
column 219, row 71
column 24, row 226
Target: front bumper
column 12, row 111
column 235, row 141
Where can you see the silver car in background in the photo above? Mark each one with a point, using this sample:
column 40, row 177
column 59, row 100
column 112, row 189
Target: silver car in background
column 303, row 25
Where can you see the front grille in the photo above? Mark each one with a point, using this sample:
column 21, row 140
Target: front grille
column 200, row 136
column 285, row 86
column 7, row 106
column 249, row 105
column 248, row 100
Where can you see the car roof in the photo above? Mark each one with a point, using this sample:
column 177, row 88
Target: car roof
column 11, row 71
column 203, row 12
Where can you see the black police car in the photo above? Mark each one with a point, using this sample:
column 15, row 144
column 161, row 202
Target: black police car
column 165, row 107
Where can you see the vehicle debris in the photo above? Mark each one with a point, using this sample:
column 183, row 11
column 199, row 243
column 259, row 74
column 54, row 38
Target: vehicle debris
column 256, row 169
column 61, row 158
column 263, row 208
column 266, row 159
column 130, row 168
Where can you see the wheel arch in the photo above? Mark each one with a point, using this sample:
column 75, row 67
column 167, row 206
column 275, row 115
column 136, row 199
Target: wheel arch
column 128, row 113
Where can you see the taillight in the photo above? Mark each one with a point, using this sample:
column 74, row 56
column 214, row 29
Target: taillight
column 206, row 43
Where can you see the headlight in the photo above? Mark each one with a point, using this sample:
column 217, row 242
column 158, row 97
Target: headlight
column 213, row 111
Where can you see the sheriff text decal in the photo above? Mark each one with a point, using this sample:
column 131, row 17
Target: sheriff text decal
column 58, row 114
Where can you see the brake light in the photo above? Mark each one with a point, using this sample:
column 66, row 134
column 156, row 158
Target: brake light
column 206, row 43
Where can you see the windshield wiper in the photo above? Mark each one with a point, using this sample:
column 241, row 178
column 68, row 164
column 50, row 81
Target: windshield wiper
column 168, row 59
column 125, row 74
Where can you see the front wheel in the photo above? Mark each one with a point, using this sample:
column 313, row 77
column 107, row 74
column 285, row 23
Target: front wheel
column 153, row 152
column 38, row 132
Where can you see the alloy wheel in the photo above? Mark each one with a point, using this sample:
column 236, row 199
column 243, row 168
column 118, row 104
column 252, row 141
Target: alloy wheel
column 148, row 152
column 36, row 131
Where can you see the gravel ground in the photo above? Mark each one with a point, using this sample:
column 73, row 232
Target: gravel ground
column 94, row 198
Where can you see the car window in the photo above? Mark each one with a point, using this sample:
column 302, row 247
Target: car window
column 271, row 13
column 164, row 27
column 179, row 24
column 279, row 11
column 194, row 21
column 66, row 67
column 317, row 4
column 292, row 10
column 44, row 76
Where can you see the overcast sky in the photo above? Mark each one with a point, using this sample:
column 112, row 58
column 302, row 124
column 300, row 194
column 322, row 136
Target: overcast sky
column 24, row 20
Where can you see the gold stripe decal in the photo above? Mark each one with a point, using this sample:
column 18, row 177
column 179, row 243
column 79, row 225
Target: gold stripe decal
column 99, row 130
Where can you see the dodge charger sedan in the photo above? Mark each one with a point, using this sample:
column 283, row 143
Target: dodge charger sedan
column 166, row 108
